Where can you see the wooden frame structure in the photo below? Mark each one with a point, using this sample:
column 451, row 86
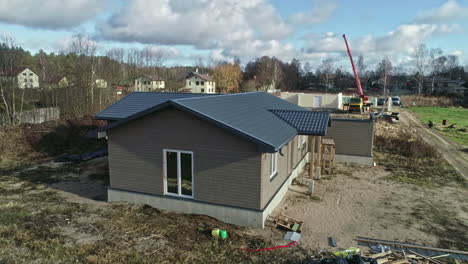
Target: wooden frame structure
column 328, row 156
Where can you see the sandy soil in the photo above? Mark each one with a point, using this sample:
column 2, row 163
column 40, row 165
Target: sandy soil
column 363, row 201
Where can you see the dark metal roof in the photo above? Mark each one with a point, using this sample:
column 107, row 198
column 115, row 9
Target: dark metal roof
column 140, row 101
column 248, row 115
column 205, row 77
column 306, row 122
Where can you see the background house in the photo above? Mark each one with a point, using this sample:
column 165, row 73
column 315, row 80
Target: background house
column 445, row 86
column 146, row 83
column 200, row 83
column 231, row 157
column 24, row 77
column 100, row 83
column 55, row 82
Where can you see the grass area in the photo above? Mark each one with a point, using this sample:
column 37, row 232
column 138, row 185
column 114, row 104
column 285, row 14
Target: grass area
column 457, row 116
column 38, row 225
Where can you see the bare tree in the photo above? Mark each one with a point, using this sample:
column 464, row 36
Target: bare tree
column 325, row 71
column 436, row 64
column 452, row 63
column 361, row 66
column 420, row 58
column 85, row 48
column 384, row 69
column 9, row 84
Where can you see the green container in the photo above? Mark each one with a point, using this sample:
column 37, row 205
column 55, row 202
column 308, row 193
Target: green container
column 223, row 234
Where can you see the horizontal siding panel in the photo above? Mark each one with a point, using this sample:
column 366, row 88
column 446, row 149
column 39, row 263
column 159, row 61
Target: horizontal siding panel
column 227, row 167
column 352, row 137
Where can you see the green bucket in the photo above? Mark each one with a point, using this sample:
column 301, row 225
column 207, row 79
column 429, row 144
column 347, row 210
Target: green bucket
column 223, row 234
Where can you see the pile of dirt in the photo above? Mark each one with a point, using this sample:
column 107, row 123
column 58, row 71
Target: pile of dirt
column 426, row 100
column 24, row 143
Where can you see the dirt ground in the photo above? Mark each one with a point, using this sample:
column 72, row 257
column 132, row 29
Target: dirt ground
column 427, row 206
column 364, row 201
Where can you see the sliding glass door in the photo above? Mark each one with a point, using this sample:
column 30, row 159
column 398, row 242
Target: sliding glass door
column 178, row 173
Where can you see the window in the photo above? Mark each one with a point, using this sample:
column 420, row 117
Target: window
column 25, row 80
column 197, row 83
column 189, row 83
column 24, row 73
column 30, row 74
column 31, row 80
column 178, row 168
column 202, row 90
column 273, row 164
column 202, row 83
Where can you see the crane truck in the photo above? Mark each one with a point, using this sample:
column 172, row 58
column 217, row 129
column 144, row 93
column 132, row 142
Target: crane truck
column 361, row 101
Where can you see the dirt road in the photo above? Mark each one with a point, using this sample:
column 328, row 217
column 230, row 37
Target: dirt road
column 454, row 153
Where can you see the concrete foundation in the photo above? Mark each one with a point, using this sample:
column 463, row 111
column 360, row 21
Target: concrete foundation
column 228, row 214
column 361, row 160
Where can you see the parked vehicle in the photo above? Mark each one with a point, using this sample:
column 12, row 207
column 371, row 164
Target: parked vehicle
column 396, row 100
column 381, row 101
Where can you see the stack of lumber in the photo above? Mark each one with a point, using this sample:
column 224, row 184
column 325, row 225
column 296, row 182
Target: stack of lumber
column 403, row 257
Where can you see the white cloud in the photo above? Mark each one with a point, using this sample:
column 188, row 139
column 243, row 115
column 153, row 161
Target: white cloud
column 226, row 28
column 50, row 14
column 206, row 24
column 448, row 11
column 398, row 44
column 321, row 11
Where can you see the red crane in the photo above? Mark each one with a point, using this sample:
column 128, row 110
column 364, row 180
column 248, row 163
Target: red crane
column 356, row 75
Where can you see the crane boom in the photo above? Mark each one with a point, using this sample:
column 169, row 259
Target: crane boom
column 356, row 76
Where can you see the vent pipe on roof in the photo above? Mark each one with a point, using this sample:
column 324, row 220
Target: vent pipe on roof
column 196, row 70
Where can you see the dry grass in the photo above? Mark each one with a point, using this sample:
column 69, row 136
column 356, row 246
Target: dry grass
column 411, row 159
column 20, row 145
column 38, row 225
column 426, row 100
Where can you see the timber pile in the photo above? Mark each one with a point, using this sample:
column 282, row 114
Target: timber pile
column 405, row 257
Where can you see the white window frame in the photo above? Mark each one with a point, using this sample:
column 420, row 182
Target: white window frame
column 273, row 164
column 179, row 177
column 304, row 140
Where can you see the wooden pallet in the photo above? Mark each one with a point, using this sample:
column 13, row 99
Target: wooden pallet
column 288, row 223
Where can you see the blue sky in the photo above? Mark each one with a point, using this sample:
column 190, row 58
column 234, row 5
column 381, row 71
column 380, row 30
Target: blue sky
column 309, row 30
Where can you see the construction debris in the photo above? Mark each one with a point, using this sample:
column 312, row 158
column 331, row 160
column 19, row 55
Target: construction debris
column 293, row 236
column 420, row 251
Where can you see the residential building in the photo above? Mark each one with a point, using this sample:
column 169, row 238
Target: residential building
column 100, row 83
column 200, row 83
column 230, row 156
column 147, row 83
column 56, row 82
column 24, row 77
column 444, row 85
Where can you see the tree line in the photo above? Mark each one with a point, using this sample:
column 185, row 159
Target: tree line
column 81, row 64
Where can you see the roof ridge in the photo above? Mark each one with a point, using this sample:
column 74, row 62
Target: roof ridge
column 218, row 95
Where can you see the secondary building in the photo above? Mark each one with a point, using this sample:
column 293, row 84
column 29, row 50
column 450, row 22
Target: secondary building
column 231, row 157
column 23, row 77
column 58, row 81
column 147, row 83
column 196, row 82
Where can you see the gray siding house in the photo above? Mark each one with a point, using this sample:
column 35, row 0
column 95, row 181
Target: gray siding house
column 231, row 157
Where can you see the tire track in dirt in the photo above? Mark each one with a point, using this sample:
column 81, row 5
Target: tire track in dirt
column 451, row 151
